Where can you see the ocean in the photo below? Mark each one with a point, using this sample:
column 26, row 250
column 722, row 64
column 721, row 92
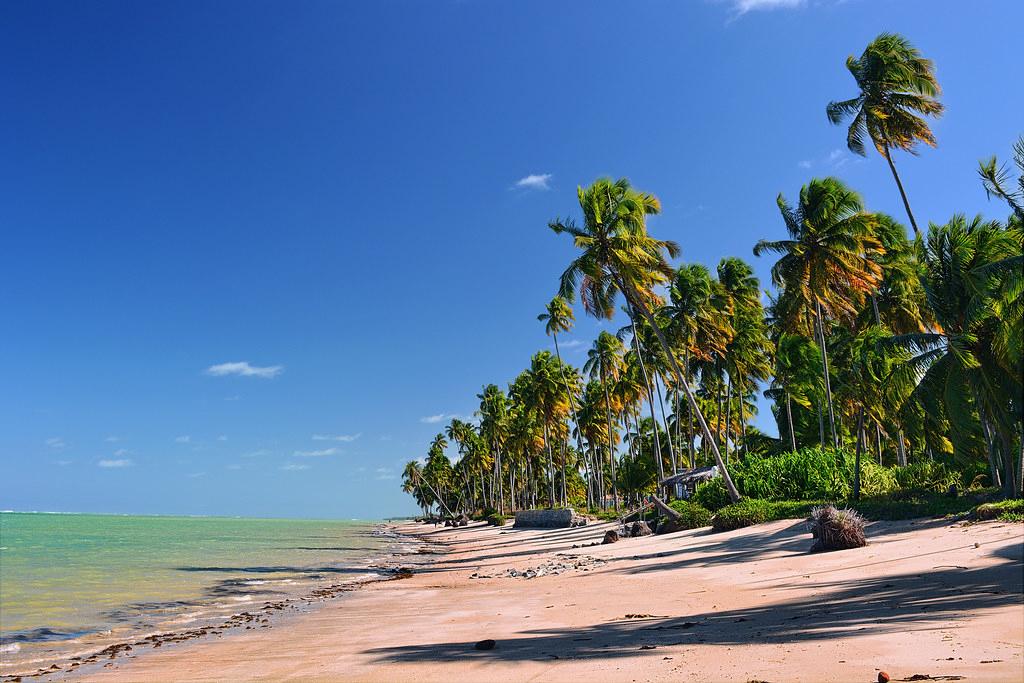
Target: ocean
column 72, row 583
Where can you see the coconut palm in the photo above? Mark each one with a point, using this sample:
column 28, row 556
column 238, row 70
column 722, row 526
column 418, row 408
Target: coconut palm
column 604, row 362
column 897, row 87
column 998, row 183
column 827, row 265
column 619, row 256
column 559, row 317
column 961, row 376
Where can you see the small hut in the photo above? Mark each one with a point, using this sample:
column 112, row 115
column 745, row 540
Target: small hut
column 683, row 484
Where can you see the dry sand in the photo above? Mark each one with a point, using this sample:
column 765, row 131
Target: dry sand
column 924, row 597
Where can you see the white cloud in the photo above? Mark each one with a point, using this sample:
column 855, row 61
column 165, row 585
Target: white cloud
column 55, row 442
column 112, row 439
column 534, row 181
column 432, row 419
column 293, row 466
column 196, row 475
column 184, row 438
column 384, row 473
column 741, row 7
column 571, row 343
column 233, row 466
column 62, row 463
column 243, row 369
column 120, row 452
column 222, row 438
column 256, row 454
column 316, row 454
column 804, row 164
column 347, row 438
column 121, row 462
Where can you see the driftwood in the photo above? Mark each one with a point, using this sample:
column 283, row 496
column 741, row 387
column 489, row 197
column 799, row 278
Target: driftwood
column 635, row 515
column 664, row 508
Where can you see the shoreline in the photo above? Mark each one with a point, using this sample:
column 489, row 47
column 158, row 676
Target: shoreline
column 930, row 597
column 76, row 665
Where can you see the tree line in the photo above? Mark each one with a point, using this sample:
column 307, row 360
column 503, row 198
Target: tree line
column 895, row 348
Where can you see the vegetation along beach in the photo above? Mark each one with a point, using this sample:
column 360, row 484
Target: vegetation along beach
column 629, row 432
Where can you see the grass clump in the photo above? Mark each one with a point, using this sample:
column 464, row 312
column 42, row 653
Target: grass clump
column 496, row 519
column 1004, row 511
column 836, row 529
column 711, row 495
column 744, row 513
column 691, row 516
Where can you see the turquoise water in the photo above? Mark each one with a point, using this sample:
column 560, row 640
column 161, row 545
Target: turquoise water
column 67, row 580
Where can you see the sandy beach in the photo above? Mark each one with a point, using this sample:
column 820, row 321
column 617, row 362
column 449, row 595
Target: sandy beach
column 925, row 597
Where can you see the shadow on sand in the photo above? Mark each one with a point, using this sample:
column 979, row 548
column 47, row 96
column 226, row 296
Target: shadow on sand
column 891, row 604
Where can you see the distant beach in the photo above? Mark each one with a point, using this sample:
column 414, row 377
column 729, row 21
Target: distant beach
column 77, row 584
column 934, row 597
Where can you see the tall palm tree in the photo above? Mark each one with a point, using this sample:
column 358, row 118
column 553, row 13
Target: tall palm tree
column 559, row 317
column 619, row 256
column 896, row 85
column 961, row 375
column 827, row 266
column 604, row 362
column 494, row 426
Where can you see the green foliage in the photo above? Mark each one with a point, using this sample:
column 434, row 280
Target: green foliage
column 810, row 473
column 927, row 476
column 1004, row 511
column 744, row 513
column 711, row 495
column 693, row 516
column 496, row 519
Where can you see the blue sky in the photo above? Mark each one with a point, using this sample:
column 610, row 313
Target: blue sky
column 255, row 253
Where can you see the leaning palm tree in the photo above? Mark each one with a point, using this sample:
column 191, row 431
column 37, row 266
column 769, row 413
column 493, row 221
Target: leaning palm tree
column 827, row 266
column 619, row 256
column 896, row 85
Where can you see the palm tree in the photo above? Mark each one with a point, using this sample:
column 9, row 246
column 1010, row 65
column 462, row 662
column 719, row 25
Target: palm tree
column 896, row 84
column 961, row 377
column 493, row 414
column 827, row 264
column 747, row 354
column 998, row 183
column 697, row 325
column 559, row 318
column 618, row 255
column 604, row 361
column 796, row 378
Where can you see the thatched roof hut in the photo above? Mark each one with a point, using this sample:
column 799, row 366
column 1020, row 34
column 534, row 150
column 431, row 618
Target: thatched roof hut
column 684, row 483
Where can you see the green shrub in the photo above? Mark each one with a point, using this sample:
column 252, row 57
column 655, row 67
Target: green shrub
column 927, row 476
column 875, row 480
column 807, row 474
column 692, row 515
column 711, row 495
column 744, row 513
column 496, row 519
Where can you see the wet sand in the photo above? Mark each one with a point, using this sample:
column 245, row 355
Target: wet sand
column 927, row 597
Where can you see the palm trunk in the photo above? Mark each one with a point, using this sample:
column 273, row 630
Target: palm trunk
column 551, row 468
column 789, row 418
column 650, row 401
column 631, row 294
column 856, row 460
column 743, row 420
column 728, row 417
column 901, row 449
column 828, row 382
column 903, row 194
column 668, row 431
column 611, row 448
